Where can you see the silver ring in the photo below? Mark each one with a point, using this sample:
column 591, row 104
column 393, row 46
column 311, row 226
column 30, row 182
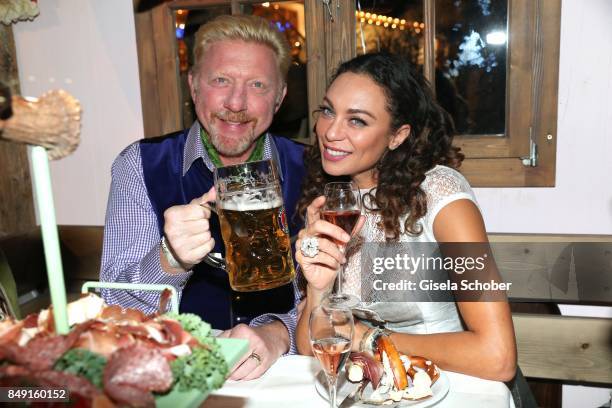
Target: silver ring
column 310, row 247
column 256, row 357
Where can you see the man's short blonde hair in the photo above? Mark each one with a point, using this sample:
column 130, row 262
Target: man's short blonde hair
column 247, row 28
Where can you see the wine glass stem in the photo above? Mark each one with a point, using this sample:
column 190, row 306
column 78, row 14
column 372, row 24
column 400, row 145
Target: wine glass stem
column 340, row 275
column 331, row 384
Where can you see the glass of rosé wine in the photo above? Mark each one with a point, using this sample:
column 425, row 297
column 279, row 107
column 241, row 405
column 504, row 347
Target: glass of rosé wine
column 331, row 329
column 342, row 208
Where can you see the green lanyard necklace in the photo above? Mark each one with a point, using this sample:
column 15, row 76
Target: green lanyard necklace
column 256, row 154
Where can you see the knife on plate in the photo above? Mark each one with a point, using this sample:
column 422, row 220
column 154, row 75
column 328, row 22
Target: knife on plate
column 355, row 396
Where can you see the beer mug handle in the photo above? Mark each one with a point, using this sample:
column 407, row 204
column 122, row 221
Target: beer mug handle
column 215, row 260
column 212, row 206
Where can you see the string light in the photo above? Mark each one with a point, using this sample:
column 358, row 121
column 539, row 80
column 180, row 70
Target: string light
column 388, row 21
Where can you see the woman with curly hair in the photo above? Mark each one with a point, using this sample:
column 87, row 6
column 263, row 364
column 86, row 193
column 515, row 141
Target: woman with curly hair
column 380, row 127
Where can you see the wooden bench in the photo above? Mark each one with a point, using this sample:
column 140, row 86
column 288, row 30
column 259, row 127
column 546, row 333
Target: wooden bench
column 576, row 349
column 546, row 270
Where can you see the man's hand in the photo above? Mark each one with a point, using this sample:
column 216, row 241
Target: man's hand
column 187, row 231
column 268, row 342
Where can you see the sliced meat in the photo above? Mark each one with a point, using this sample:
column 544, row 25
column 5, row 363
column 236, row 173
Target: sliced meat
column 130, row 395
column 30, row 321
column 140, row 366
column 164, row 298
column 71, row 382
column 78, row 388
column 116, row 313
column 10, row 370
column 138, row 331
column 12, row 352
column 134, row 371
column 173, row 331
column 101, row 401
column 9, row 331
column 181, row 336
column 103, row 342
column 43, row 351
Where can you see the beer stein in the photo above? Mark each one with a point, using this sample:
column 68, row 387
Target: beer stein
column 253, row 226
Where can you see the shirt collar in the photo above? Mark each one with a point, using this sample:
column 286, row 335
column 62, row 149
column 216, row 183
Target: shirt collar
column 194, row 149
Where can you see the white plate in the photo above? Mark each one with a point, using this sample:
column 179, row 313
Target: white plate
column 345, row 387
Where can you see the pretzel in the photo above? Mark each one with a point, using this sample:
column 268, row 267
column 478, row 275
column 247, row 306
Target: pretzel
column 412, row 376
column 384, row 344
column 422, row 363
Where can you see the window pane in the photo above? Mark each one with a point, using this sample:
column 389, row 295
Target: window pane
column 291, row 120
column 471, row 55
column 395, row 26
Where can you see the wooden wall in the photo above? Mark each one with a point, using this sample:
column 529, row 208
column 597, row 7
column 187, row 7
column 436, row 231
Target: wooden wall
column 16, row 204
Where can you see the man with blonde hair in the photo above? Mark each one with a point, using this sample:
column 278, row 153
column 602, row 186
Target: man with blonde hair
column 158, row 231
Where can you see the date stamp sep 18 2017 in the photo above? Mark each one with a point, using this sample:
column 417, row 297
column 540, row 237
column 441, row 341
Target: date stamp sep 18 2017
column 33, row 394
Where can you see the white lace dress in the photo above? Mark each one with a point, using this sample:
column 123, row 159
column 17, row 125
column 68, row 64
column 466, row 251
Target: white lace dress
column 442, row 186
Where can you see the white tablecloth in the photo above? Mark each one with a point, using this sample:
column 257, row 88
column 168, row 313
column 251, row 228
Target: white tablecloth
column 290, row 383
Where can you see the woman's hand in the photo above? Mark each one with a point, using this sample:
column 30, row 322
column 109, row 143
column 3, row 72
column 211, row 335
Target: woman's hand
column 320, row 270
column 360, row 331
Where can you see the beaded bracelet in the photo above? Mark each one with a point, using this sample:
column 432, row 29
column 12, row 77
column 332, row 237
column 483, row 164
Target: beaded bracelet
column 366, row 340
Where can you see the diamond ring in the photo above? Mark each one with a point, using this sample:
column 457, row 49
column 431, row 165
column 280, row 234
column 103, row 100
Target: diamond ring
column 310, row 247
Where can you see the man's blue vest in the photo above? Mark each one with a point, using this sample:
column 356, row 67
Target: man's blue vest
column 207, row 292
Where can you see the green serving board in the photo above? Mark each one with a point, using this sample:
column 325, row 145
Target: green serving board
column 232, row 350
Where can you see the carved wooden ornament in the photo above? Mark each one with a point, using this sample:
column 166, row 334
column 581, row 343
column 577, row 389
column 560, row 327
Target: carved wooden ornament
column 52, row 121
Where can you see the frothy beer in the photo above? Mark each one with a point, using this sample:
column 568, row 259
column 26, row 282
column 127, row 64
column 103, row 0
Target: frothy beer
column 256, row 237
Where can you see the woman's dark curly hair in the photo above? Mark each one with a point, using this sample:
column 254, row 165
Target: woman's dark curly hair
column 410, row 100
